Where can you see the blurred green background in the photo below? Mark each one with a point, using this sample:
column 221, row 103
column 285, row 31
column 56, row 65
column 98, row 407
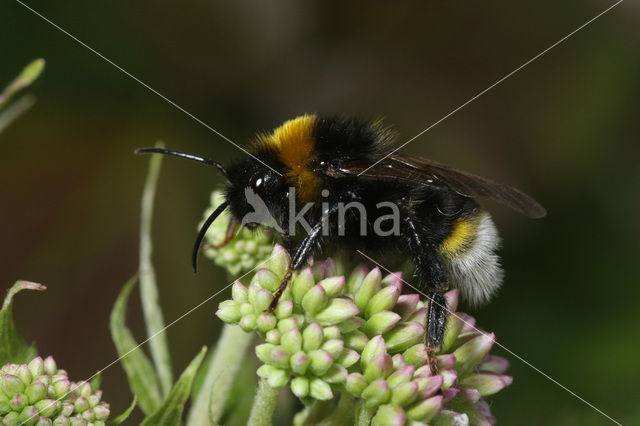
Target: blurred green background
column 565, row 129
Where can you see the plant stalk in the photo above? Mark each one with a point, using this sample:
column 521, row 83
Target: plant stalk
column 208, row 406
column 264, row 404
column 364, row 415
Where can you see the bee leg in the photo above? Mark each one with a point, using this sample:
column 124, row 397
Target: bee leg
column 302, row 254
column 433, row 280
column 231, row 231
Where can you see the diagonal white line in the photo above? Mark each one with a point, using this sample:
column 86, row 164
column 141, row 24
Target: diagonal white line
column 142, row 83
column 496, row 342
column 154, row 335
column 495, row 84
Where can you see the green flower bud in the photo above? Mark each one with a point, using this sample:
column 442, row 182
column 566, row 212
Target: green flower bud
column 381, row 323
column 43, row 421
column 416, row 355
column 47, row 407
column 18, row 402
column 404, row 394
column 81, row 404
column 348, row 357
column 229, row 312
column 246, row 308
column 263, row 352
column 50, row 367
column 400, row 376
column 320, row 390
column 320, row 362
column 299, row 362
column 291, row 340
column 11, row 385
column 279, row 358
column 425, row 410
column 284, row 309
column 312, row 337
column 375, row 347
column 389, row 415
column 94, row 399
column 333, row 286
column 262, row 300
column 287, row 324
column 266, row 322
column 383, row 300
column 335, row 374
column 419, row 316
column 404, row 336
column 469, row 355
column 449, row 417
column 356, row 277
column 399, row 362
column 272, row 336
column 315, row 299
column 274, row 376
column 239, row 292
column 35, row 392
column 487, row 383
column 101, row 411
column 28, row 414
column 406, row 305
column 22, row 372
column 248, row 322
column 378, row 368
column 279, row 262
column 334, row 347
column 12, row 419
column 67, row 409
column 377, row 393
column 428, row 386
column 336, row 311
column 300, row 387
column 356, row 340
column 89, row 415
column 267, row 280
column 494, row 364
column 356, row 383
column 446, row 361
column 350, row 324
column 369, row 287
column 301, row 284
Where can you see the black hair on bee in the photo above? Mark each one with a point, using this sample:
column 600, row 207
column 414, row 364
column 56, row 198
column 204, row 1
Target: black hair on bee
column 328, row 162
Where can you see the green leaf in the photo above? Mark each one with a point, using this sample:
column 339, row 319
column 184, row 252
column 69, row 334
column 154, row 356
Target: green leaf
column 122, row 417
column 27, row 76
column 170, row 413
column 153, row 317
column 142, row 378
column 12, row 347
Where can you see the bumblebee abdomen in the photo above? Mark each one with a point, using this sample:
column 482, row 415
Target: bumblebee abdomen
column 469, row 253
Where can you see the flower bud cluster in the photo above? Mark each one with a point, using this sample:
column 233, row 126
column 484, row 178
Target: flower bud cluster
column 329, row 333
column 246, row 250
column 39, row 393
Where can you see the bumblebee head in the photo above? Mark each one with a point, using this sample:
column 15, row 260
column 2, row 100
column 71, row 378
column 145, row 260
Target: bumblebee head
column 256, row 192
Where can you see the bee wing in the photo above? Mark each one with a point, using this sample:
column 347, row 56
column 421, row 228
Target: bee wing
column 402, row 167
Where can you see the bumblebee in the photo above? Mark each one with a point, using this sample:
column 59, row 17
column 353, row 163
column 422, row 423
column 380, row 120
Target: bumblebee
column 327, row 163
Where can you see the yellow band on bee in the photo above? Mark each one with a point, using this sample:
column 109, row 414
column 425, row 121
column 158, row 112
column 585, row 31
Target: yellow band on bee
column 294, row 142
column 463, row 231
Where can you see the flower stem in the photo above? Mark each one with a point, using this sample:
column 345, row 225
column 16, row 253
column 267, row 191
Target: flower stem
column 364, row 415
column 264, row 404
column 224, row 364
